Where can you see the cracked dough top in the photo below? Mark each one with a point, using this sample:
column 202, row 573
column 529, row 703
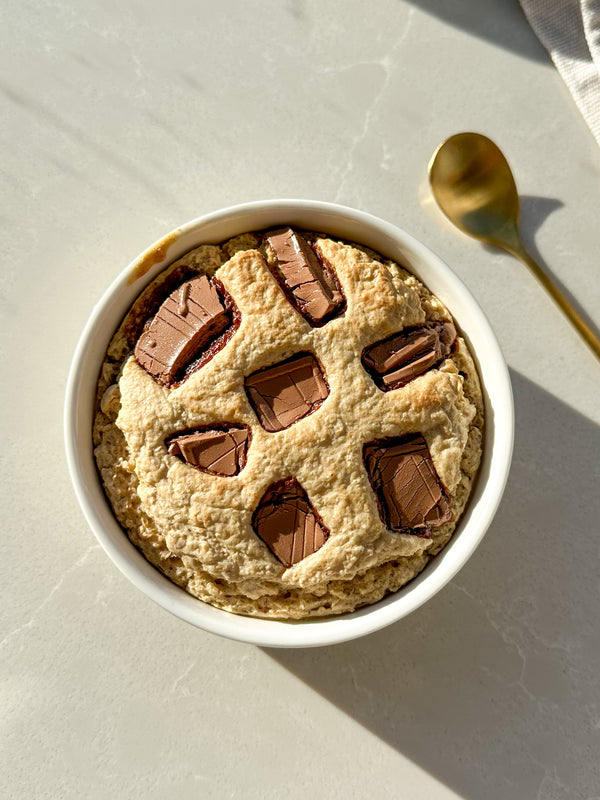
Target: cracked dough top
column 197, row 527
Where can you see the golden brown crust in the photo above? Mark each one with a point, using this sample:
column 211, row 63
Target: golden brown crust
column 196, row 527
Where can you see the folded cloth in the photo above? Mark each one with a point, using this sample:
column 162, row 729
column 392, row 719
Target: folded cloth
column 570, row 31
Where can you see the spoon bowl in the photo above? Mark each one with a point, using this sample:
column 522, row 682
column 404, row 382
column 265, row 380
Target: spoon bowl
column 474, row 186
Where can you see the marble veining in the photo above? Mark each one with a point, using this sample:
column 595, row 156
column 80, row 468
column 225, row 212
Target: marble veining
column 119, row 124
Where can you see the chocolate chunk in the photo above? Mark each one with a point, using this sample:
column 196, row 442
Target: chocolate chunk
column 286, row 392
column 188, row 320
column 218, row 451
column 307, row 279
column 395, row 361
column 406, row 484
column 287, row 522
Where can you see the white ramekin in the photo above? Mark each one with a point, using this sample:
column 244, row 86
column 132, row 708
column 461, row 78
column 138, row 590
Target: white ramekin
column 349, row 224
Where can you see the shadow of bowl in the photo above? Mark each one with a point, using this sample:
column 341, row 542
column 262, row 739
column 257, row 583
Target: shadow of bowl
column 493, row 685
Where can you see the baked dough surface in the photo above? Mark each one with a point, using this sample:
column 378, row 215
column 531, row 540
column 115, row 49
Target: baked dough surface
column 196, row 527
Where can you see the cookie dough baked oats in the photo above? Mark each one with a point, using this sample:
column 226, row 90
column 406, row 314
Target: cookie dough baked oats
column 288, row 425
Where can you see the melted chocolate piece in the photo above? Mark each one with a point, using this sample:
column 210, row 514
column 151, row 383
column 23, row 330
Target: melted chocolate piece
column 218, row 451
column 287, row 522
column 286, row 392
column 395, row 361
column 189, row 319
column 406, row 484
column 305, row 276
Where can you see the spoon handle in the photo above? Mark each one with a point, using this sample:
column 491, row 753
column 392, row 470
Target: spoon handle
column 568, row 309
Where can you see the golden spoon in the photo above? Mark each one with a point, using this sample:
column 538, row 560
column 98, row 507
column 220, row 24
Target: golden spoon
column 474, row 187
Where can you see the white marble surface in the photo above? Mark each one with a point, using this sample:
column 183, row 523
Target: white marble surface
column 120, row 121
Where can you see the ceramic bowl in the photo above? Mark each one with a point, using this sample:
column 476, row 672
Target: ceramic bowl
column 353, row 225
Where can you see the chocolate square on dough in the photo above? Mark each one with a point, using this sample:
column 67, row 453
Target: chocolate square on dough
column 187, row 321
column 217, row 451
column 409, row 493
column 395, row 361
column 287, row 522
column 286, row 392
column 306, row 277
